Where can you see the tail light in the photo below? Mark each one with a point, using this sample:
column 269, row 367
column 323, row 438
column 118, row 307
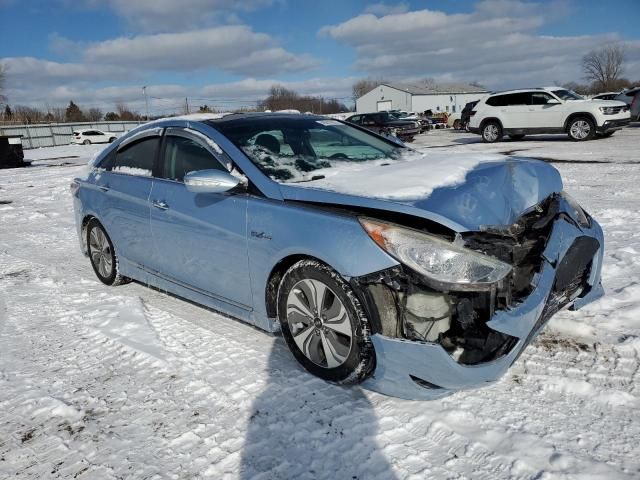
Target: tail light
column 472, row 113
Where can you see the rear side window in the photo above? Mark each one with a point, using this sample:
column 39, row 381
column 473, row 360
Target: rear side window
column 509, row 99
column 497, row 101
column 183, row 155
column 137, row 158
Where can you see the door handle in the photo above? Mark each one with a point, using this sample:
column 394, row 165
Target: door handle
column 161, row 204
column 104, row 188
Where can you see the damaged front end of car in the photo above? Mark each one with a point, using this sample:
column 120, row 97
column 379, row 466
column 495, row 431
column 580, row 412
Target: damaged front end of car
column 442, row 322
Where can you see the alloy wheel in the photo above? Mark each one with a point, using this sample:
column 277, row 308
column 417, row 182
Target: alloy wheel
column 100, row 252
column 319, row 323
column 491, row 132
column 580, row 129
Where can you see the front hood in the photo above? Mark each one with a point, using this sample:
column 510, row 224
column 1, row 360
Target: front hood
column 462, row 192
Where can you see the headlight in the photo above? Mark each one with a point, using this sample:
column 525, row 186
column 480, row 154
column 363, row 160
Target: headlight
column 579, row 215
column 443, row 264
column 609, row 110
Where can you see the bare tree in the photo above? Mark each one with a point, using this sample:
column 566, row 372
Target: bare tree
column 125, row 113
column 94, row 114
column 3, row 75
column 604, row 65
column 365, row 85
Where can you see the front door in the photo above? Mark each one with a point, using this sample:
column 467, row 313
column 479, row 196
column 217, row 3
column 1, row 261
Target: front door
column 543, row 114
column 124, row 207
column 200, row 239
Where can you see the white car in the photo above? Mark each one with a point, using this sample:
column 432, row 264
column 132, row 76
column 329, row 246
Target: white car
column 546, row 110
column 89, row 136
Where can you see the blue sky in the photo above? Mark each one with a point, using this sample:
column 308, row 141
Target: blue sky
column 227, row 53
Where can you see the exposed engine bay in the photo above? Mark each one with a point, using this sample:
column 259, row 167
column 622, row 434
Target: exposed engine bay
column 403, row 305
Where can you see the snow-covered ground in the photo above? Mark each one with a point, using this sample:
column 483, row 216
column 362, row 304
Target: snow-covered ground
column 127, row 382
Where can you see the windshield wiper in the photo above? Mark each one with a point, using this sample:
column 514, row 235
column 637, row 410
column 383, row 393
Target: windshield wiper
column 312, row 179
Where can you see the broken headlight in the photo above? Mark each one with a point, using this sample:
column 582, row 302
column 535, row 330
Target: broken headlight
column 443, row 264
column 579, row 214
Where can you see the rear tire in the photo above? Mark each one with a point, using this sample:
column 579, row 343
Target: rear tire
column 102, row 255
column 87, row 142
column 581, row 129
column 456, row 124
column 324, row 324
column 516, row 137
column 491, row 132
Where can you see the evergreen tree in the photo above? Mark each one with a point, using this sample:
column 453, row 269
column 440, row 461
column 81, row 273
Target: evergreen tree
column 73, row 113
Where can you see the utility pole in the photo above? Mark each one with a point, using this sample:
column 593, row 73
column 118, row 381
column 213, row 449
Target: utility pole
column 146, row 100
column 186, row 106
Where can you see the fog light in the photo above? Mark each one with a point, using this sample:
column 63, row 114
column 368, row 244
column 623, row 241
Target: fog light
column 427, row 315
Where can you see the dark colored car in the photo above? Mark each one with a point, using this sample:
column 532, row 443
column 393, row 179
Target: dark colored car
column 465, row 115
column 11, row 154
column 632, row 98
column 386, row 124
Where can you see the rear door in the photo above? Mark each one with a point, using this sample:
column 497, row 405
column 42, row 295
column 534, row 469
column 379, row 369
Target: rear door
column 200, row 239
column 126, row 186
column 516, row 111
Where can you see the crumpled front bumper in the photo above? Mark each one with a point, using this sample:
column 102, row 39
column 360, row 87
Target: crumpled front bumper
column 422, row 370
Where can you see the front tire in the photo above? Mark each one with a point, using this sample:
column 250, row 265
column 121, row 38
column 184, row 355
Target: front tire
column 323, row 323
column 457, row 125
column 112, row 139
column 491, row 132
column 581, row 129
column 102, row 255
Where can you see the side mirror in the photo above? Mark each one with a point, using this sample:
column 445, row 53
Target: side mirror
column 210, row 181
column 553, row 101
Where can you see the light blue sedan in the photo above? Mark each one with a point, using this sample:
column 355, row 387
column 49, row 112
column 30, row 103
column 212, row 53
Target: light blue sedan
column 416, row 275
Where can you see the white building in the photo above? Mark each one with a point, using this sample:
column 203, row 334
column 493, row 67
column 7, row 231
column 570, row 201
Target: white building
column 419, row 97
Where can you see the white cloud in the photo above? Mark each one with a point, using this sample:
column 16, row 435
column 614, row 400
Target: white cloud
column 382, row 8
column 173, row 15
column 496, row 44
column 233, row 48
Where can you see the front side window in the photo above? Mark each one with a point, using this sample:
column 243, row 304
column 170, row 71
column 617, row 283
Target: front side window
column 288, row 149
column 567, row 95
column 183, row 155
column 541, row 98
column 136, row 158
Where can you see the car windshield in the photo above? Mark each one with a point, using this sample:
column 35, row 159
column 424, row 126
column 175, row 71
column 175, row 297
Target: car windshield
column 289, row 149
column 567, row 95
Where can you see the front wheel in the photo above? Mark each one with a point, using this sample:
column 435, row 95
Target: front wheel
column 457, row 124
column 112, row 139
column 581, row 129
column 102, row 255
column 323, row 323
column 491, row 132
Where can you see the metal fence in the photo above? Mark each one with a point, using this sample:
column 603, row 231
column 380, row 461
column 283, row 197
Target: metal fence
column 54, row 134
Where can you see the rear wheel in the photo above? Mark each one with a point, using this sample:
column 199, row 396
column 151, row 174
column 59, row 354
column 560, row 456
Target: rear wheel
column 87, row 142
column 323, row 323
column 581, row 128
column 517, row 137
column 491, row 132
column 102, row 255
column 457, row 124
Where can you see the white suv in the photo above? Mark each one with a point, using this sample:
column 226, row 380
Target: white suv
column 546, row 110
